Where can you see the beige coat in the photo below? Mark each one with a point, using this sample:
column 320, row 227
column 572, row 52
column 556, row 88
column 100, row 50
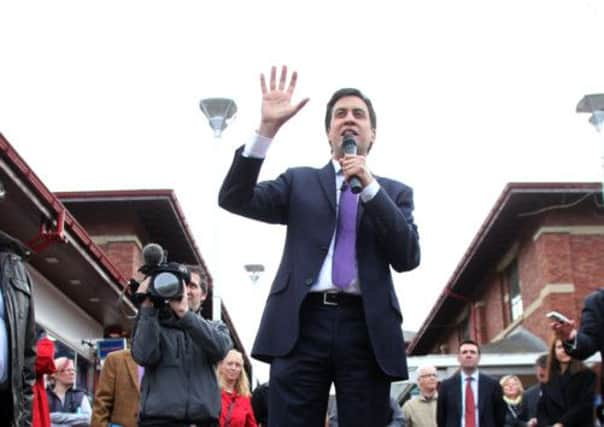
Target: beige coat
column 117, row 394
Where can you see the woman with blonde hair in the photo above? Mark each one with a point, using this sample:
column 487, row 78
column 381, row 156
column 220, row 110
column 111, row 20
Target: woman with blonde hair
column 516, row 414
column 236, row 404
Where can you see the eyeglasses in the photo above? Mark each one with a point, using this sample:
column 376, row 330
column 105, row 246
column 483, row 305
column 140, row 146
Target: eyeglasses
column 428, row 375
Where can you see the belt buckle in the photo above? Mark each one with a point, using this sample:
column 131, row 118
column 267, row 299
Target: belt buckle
column 329, row 301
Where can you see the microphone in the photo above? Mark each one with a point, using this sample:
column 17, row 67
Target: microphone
column 153, row 254
column 349, row 146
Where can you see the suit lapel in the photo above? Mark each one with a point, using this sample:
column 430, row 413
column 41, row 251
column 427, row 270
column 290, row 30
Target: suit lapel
column 132, row 370
column 457, row 396
column 327, row 177
column 482, row 394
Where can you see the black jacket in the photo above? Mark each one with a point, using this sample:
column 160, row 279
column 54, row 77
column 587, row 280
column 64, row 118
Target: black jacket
column 590, row 337
column 568, row 399
column 516, row 415
column 179, row 356
column 16, row 286
column 531, row 398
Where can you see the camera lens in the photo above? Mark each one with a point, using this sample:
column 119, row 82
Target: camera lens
column 167, row 285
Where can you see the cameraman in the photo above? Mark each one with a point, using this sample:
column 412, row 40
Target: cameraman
column 178, row 350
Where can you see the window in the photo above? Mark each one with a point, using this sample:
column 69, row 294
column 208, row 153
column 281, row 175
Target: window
column 513, row 288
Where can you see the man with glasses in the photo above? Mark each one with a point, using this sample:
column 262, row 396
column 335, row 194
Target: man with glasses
column 420, row 411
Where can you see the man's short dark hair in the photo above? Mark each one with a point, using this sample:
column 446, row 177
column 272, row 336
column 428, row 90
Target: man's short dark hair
column 472, row 342
column 541, row 361
column 349, row 92
column 203, row 276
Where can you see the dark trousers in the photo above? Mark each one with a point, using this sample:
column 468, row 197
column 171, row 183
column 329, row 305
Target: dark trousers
column 333, row 346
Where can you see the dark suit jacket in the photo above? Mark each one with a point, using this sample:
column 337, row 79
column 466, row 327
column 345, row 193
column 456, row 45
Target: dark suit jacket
column 304, row 199
column 531, row 398
column 117, row 394
column 571, row 405
column 491, row 407
column 590, row 337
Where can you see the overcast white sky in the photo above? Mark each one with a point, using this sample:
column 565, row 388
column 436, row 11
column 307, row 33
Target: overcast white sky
column 470, row 95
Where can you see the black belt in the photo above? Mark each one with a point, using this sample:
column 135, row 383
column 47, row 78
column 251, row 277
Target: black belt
column 334, row 299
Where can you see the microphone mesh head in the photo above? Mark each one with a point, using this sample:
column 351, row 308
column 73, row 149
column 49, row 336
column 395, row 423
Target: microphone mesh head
column 153, row 254
column 349, row 145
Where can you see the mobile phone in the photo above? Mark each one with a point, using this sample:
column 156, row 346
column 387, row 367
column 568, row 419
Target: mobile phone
column 558, row 317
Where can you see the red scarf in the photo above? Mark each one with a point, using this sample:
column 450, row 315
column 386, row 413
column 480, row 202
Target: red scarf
column 45, row 354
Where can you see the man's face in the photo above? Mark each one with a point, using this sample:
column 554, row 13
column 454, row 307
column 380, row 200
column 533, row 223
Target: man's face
column 350, row 116
column 195, row 293
column 540, row 373
column 468, row 357
column 427, row 380
column 66, row 373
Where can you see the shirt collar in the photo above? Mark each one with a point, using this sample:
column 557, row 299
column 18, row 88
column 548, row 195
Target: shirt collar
column 428, row 399
column 336, row 166
column 474, row 375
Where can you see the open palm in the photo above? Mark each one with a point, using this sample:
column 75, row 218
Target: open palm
column 277, row 107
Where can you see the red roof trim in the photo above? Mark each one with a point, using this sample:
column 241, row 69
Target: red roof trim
column 55, row 206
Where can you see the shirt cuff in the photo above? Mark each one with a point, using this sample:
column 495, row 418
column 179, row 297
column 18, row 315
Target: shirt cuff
column 370, row 191
column 257, row 146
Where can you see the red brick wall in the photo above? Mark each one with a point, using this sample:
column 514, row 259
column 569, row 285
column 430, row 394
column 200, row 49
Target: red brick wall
column 495, row 309
column 126, row 256
column 554, row 258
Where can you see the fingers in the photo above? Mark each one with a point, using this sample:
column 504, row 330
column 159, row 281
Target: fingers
column 292, row 84
column 283, row 78
column 273, row 77
column 282, row 82
column 300, row 105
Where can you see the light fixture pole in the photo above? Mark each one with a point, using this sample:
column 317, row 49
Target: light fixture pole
column 594, row 104
column 220, row 112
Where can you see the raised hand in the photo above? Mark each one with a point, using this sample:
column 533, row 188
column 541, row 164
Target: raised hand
column 564, row 331
column 180, row 307
column 277, row 107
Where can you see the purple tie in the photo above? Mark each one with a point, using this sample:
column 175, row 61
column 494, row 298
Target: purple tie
column 344, row 254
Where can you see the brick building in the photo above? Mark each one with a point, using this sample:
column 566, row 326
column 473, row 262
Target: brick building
column 84, row 248
column 541, row 248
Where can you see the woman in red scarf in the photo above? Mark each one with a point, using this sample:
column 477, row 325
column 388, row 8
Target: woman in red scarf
column 45, row 354
column 236, row 404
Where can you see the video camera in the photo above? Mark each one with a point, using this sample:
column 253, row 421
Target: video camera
column 168, row 279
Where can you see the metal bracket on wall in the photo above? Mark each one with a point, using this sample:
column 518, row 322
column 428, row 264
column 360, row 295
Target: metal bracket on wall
column 50, row 232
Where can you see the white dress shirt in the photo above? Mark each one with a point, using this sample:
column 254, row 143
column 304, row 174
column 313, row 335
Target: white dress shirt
column 474, row 386
column 257, row 147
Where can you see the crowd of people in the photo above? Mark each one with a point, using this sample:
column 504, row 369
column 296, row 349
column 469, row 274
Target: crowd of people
column 331, row 317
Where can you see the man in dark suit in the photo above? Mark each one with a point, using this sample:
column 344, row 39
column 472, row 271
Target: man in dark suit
column 469, row 398
column 531, row 395
column 332, row 314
